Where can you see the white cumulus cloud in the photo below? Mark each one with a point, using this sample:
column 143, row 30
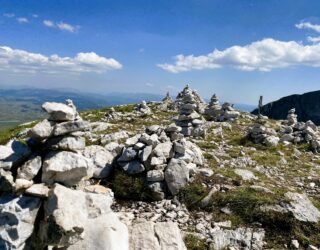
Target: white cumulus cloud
column 308, row 25
column 48, row 23
column 21, row 61
column 313, row 39
column 263, row 55
column 22, row 20
column 61, row 26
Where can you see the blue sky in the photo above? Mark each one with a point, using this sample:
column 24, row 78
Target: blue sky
column 130, row 46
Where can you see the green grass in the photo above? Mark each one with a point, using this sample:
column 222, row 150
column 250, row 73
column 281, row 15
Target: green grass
column 128, row 187
column 7, row 134
column 192, row 242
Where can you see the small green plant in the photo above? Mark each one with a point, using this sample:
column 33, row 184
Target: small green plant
column 128, row 187
column 194, row 243
column 192, row 194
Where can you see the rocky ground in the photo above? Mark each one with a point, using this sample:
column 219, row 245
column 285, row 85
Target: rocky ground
column 169, row 175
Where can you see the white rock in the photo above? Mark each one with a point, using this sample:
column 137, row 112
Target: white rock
column 128, row 154
column 114, row 137
column 114, row 148
column 164, row 150
column 156, row 236
column 70, row 127
column 155, row 175
column 245, row 175
column 241, row 238
column 295, row 244
column 92, row 226
column 18, row 215
column 65, row 167
column 68, row 143
column 272, row 141
column 102, row 160
column 40, row 190
column 176, row 175
column 145, row 153
column 22, row 184
column 132, row 140
column 59, row 111
column 302, row 208
column 41, row 130
column 13, row 153
column 30, row 168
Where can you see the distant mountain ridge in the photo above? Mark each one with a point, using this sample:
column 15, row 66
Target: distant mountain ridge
column 307, row 107
column 21, row 105
column 18, row 105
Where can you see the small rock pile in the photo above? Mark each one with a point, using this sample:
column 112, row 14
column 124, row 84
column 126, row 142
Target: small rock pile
column 167, row 103
column 228, row 113
column 143, row 108
column 292, row 131
column 213, row 110
column 111, row 114
column 189, row 119
column 198, row 101
column 165, row 157
column 260, row 134
column 292, row 118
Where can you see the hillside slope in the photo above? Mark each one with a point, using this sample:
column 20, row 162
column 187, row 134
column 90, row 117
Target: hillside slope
column 307, row 107
column 23, row 105
column 129, row 177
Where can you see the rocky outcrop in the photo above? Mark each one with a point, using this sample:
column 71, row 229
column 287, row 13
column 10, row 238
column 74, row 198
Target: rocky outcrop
column 307, row 107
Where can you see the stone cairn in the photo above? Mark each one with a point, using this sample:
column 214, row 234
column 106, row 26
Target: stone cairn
column 219, row 113
column 292, row 131
column 164, row 156
column 189, row 119
column 143, row 108
column 228, row 112
column 47, row 190
column 200, row 103
column 213, row 111
column 42, row 171
column 167, row 103
column 292, row 118
column 260, row 134
column 111, row 114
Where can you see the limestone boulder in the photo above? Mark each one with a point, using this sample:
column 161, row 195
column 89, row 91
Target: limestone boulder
column 67, row 143
column 17, row 217
column 42, row 130
column 65, row 167
column 70, row 127
column 156, row 236
column 102, row 160
column 30, row 168
column 13, row 154
column 81, row 220
column 176, row 175
column 59, row 111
